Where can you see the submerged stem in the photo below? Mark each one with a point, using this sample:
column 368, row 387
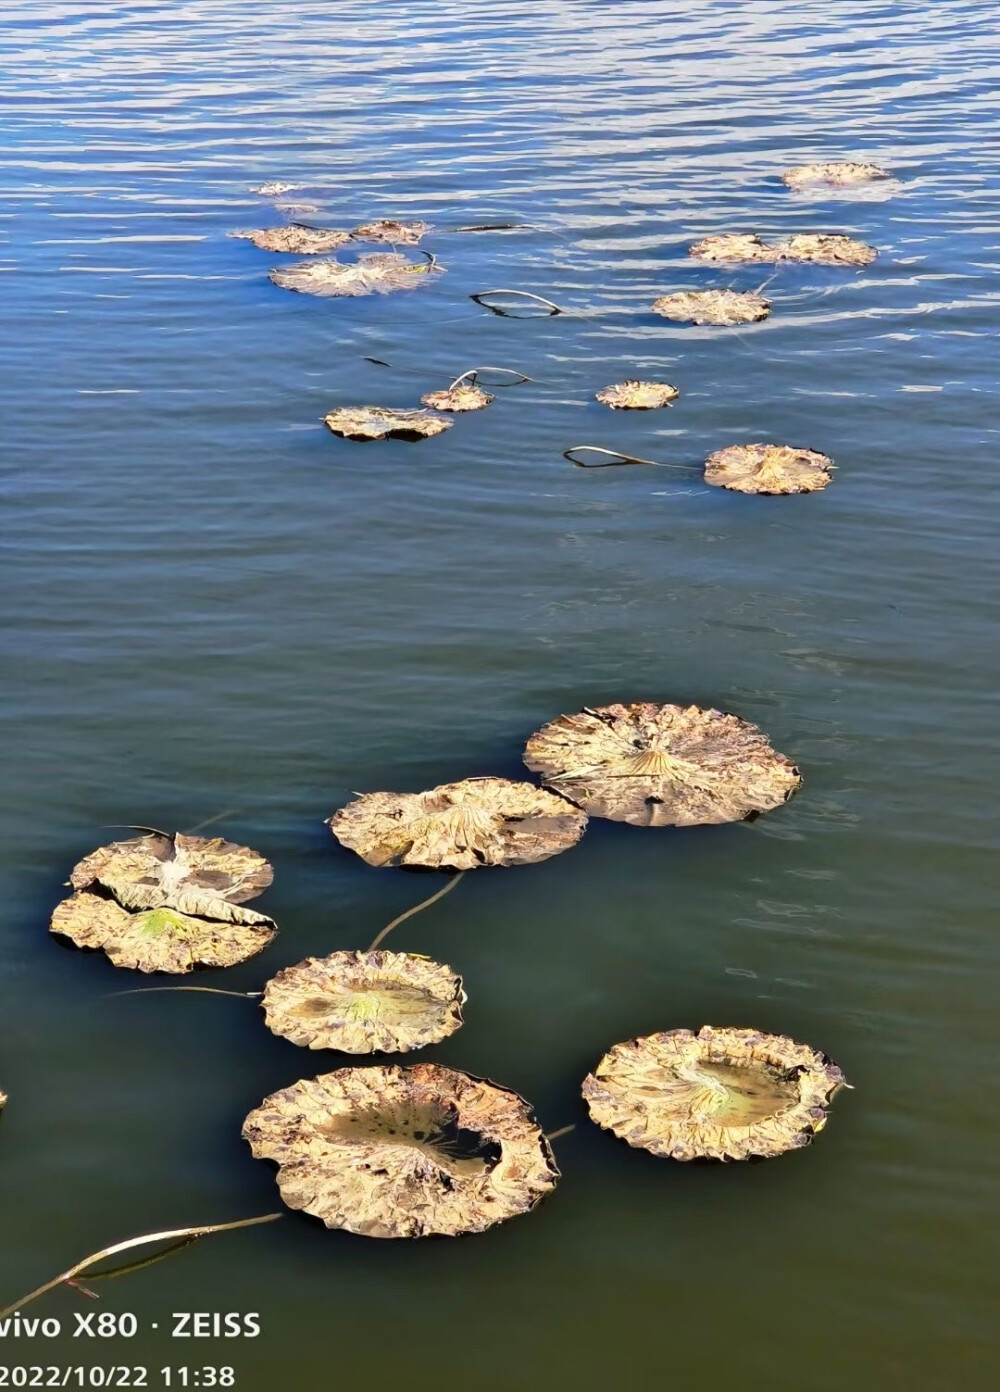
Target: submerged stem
column 551, row 1136
column 207, row 990
column 131, row 1242
column 425, row 904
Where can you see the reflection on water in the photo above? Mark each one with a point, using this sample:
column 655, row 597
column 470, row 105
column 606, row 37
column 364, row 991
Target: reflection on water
column 214, row 604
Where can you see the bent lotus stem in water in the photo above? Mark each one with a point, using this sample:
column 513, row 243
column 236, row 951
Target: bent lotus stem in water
column 615, row 455
column 142, row 1241
column 425, row 904
column 473, row 372
column 521, row 294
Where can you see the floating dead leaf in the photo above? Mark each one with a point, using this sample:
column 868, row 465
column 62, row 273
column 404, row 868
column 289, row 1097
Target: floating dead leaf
column 633, row 395
column 459, row 826
column 391, row 230
column 768, row 469
column 835, row 174
column 376, row 273
column 161, row 939
column 662, row 765
column 365, row 1002
column 713, row 307
column 382, row 423
column 3, row 1100
column 819, row 248
column 301, row 241
column 467, row 397
column 403, row 1151
column 203, row 876
column 720, row 1094
column 275, row 189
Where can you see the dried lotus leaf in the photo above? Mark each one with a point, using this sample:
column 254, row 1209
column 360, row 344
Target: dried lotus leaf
column 733, row 247
column 459, row 826
column 364, row 1002
column 724, row 307
column 403, row 1151
column 160, row 939
column 463, row 398
column 833, row 173
column 720, row 1094
column 382, row 423
column 376, row 273
column 300, row 241
column 661, row 765
column 818, row 248
column 391, row 230
column 633, row 395
column 769, row 469
column 275, row 188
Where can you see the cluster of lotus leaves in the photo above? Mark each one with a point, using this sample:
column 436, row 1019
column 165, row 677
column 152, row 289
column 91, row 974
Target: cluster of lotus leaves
column 460, row 826
column 634, row 395
column 713, row 307
column 834, row 174
column 822, row 249
column 168, row 903
column 365, row 1002
column 466, row 397
column 375, row 273
column 720, row 1094
column 403, row 1151
column 772, row 469
column 384, row 423
column 661, row 765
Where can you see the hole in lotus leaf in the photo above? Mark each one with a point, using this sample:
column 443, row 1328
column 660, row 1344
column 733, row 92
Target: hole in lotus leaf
column 297, row 239
column 822, row 249
column 382, row 423
column 720, row 1094
column 713, row 307
column 161, row 939
column 459, row 826
column 391, row 230
column 403, row 1151
column 633, row 395
column 484, row 295
column 376, row 273
column 365, row 1002
column 661, row 765
column 768, row 469
column 834, row 174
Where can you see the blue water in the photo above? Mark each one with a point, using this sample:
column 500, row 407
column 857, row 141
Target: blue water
column 214, row 609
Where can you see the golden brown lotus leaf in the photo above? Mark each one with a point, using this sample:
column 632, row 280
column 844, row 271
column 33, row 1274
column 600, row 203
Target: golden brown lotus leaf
column 302, row 241
column 768, row 469
column 653, row 765
column 713, row 307
column 459, row 826
column 376, row 273
column 275, row 189
column 382, row 423
column 464, row 398
column 720, row 1094
column 633, row 395
column 365, row 1002
column 160, row 939
column 403, row 1151
column 836, row 173
column 822, row 249
column 392, row 231
column 202, row 876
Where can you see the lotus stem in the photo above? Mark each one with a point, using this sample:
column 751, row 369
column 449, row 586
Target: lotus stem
column 474, row 371
column 127, row 1268
column 105, row 1252
column 522, row 294
column 206, row 990
column 551, row 1136
column 614, row 454
column 425, row 904
column 490, row 226
column 132, row 826
column 210, row 821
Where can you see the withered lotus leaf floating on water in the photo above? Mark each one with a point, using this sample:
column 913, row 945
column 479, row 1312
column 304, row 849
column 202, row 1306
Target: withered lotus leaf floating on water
column 161, row 939
column 713, row 307
column 383, row 423
column 772, row 469
column 633, row 395
column 364, row 1002
column 193, row 874
column 820, row 248
column 460, row 826
column 464, row 397
column 662, row 765
column 720, row 1094
column 375, row 273
column 301, row 241
column 403, row 1151
column 391, row 230
column 275, row 189
column 833, row 173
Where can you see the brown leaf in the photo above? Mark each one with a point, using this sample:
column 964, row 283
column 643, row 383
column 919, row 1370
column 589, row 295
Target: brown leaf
column 836, row 174
column 637, row 396
column 463, row 398
column 391, row 230
column 199, row 875
column 661, row 765
column 713, row 307
column 403, row 1151
column 768, row 469
column 301, row 241
column 383, row 423
column 822, row 249
column 720, row 1094
column 459, row 826
column 376, row 273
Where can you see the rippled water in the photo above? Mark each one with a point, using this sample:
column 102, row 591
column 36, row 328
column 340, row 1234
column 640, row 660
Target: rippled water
column 215, row 607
